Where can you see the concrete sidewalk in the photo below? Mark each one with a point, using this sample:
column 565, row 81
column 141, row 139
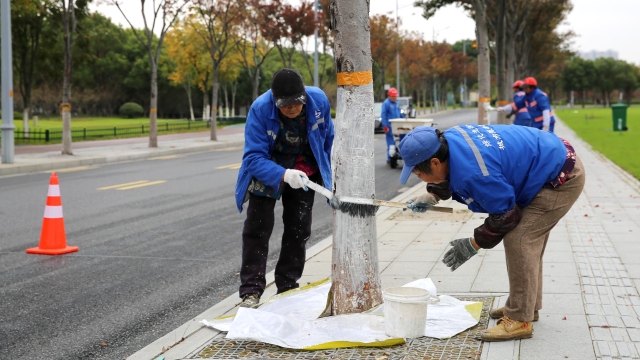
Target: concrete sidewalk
column 592, row 272
column 116, row 150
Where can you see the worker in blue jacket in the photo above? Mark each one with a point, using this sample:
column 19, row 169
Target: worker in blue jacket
column 390, row 110
column 518, row 106
column 538, row 106
column 526, row 180
column 288, row 139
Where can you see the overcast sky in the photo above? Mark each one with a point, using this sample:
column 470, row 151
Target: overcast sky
column 599, row 24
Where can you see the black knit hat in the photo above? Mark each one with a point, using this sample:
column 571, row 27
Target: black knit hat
column 287, row 88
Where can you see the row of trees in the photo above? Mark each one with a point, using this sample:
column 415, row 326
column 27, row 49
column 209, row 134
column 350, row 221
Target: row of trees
column 600, row 78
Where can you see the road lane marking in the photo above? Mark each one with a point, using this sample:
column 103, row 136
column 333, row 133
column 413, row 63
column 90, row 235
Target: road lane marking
column 230, row 148
column 168, row 157
column 142, row 185
column 78, row 168
column 230, row 167
column 121, row 185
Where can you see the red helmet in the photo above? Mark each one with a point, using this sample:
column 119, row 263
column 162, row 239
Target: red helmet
column 530, row 81
column 392, row 92
column 518, row 84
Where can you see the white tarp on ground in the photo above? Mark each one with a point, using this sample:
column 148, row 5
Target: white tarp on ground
column 291, row 320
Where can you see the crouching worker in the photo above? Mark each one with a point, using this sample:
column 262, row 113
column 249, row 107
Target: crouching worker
column 525, row 179
column 288, row 139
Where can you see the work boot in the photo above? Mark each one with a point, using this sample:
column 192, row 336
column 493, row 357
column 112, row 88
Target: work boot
column 508, row 329
column 498, row 313
column 250, row 301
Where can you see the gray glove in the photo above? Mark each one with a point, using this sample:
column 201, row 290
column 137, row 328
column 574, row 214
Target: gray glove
column 461, row 251
column 422, row 202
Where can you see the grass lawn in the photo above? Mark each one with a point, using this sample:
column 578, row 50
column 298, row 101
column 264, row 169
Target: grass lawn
column 621, row 147
column 81, row 122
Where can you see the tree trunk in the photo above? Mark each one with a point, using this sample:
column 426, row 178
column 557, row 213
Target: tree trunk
column 484, row 76
column 205, row 105
column 355, row 272
column 214, row 104
column 188, row 88
column 255, row 81
column 584, row 95
column 153, row 107
column 234, row 88
column 25, row 121
column 501, row 64
column 69, row 29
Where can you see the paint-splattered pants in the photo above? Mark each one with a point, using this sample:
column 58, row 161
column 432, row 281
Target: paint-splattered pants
column 296, row 216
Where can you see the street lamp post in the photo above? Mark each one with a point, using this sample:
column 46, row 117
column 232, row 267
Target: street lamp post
column 7, row 85
column 316, row 81
column 397, row 53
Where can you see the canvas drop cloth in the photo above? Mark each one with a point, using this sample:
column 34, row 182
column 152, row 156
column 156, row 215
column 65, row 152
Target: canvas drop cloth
column 292, row 320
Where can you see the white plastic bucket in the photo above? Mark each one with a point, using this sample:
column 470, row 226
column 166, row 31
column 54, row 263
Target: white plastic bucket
column 405, row 311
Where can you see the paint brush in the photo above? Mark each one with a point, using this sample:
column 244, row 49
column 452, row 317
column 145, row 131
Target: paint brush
column 359, row 206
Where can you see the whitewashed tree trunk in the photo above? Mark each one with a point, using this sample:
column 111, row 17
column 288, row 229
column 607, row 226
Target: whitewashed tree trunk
column 355, row 272
column 484, row 76
column 188, row 88
column 25, row 121
column 214, row 104
column 69, row 24
column 153, row 104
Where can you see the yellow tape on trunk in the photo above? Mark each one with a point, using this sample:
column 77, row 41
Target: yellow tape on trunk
column 484, row 100
column 355, row 78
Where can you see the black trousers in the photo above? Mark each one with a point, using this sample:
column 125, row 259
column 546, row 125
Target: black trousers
column 296, row 217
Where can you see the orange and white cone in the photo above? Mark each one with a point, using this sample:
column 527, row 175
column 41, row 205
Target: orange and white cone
column 53, row 240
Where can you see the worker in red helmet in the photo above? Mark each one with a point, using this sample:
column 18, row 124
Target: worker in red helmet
column 518, row 106
column 538, row 106
column 390, row 110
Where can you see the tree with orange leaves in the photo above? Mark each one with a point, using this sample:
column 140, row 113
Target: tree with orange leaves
column 384, row 42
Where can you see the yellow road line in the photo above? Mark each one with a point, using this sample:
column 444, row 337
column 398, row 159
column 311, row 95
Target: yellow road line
column 121, row 185
column 230, row 148
column 79, row 168
column 230, row 166
column 141, row 185
column 167, row 157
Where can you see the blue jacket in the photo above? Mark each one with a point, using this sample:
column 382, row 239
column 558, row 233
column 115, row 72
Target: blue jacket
column 390, row 110
column 263, row 124
column 538, row 101
column 519, row 106
column 494, row 167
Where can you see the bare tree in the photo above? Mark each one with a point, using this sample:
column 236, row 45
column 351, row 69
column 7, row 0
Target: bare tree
column 166, row 11
column 220, row 19
column 355, row 272
column 69, row 30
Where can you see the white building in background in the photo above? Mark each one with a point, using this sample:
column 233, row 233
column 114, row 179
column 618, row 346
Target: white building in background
column 592, row 55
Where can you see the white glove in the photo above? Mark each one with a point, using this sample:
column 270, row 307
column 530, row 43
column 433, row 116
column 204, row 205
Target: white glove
column 422, row 202
column 295, row 178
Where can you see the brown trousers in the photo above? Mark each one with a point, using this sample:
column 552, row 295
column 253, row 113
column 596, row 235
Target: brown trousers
column 524, row 246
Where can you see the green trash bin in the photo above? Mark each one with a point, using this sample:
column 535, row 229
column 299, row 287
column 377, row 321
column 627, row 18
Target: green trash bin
column 619, row 117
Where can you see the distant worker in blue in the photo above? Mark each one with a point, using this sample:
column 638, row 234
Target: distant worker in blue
column 538, row 106
column 518, row 106
column 526, row 180
column 390, row 110
column 288, row 139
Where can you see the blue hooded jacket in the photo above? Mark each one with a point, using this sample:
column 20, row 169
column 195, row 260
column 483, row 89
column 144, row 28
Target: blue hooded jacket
column 519, row 106
column 390, row 110
column 260, row 133
column 538, row 101
column 493, row 168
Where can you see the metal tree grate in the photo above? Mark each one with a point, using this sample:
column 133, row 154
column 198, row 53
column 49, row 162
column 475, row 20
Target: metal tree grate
column 465, row 345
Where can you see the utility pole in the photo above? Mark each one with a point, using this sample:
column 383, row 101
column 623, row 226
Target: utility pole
column 316, row 81
column 464, row 53
column 397, row 53
column 7, row 85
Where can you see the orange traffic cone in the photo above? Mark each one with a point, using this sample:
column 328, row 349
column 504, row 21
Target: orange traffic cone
column 53, row 240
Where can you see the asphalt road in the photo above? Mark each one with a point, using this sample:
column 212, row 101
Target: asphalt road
column 153, row 253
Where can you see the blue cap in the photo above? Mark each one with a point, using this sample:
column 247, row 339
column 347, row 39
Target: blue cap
column 417, row 146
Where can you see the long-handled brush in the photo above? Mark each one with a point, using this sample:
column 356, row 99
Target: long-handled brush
column 359, row 206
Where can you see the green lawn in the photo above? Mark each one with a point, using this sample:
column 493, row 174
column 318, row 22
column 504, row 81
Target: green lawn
column 595, row 126
column 81, row 122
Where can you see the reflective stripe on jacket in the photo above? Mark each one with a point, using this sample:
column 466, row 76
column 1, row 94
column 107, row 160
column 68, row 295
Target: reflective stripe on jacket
column 260, row 135
column 537, row 102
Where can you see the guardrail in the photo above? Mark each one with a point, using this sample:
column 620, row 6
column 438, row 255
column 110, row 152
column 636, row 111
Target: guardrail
column 54, row 135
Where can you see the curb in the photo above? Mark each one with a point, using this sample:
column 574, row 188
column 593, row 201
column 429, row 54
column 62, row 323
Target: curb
column 192, row 336
column 46, row 164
